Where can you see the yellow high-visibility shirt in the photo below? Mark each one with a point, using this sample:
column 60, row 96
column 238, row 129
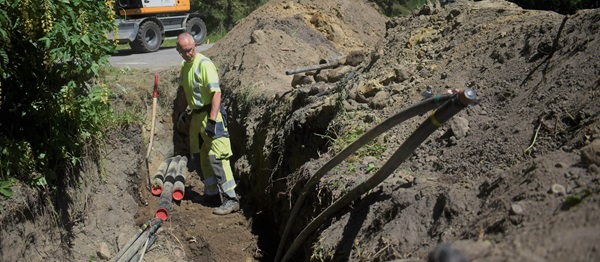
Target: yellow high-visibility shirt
column 199, row 79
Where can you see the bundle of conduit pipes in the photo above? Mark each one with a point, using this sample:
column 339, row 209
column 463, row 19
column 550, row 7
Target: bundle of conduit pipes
column 137, row 245
column 169, row 184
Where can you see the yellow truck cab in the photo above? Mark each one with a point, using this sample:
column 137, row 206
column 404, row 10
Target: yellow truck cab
column 144, row 24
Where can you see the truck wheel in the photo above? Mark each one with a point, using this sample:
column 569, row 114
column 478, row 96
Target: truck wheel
column 148, row 39
column 196, row 27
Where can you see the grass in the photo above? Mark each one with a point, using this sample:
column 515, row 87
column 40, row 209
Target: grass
column 166, row 43
column 345, row 136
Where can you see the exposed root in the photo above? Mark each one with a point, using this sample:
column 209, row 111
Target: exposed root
column 535, row 135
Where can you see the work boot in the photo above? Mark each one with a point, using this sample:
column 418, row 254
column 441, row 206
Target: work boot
column 229, row 206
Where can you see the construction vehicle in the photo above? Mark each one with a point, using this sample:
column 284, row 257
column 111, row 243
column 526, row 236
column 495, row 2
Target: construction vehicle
column 145, row 24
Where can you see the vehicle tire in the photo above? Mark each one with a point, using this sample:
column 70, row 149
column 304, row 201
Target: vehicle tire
column 129, row 3
column 149, row 38
column 197, row 28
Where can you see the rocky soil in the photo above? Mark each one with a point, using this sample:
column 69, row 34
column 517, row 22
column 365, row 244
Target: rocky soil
column 513, row 178
column 499, row 182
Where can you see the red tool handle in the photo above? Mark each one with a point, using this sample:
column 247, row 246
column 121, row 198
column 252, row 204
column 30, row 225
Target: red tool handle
column 155, row 94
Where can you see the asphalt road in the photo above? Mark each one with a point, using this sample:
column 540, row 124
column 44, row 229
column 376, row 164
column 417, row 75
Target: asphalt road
column 164, row 57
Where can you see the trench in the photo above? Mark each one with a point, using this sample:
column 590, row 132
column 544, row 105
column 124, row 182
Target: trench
column 284, row 136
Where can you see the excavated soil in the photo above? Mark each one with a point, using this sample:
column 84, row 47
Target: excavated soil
column 514, row 177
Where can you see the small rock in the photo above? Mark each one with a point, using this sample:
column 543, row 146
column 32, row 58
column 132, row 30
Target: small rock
column 347, row 106
column 446, row 252
column 473, row 250
column 337, row 33
column 573, row 174
column 590, row 154
column 178, row 253
column 594, row 169
column 425, row 10
column 402, row 74
column 545, row 47
column 337, row 74
column 370, row 88
column 299, row 80
column 558, row 189
column 516, row 209
column 560, row 165
column 257, row 37
column 318, row 88
column 380, row 100
column 458, row 21
column 103, row 251
column 321, row 76
column 355, row 58
column 459, row 126
column 431, row 159
column 122, row 240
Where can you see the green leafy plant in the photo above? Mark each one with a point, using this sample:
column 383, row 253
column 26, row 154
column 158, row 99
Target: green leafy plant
column 5, row 188
column 371, row 168
column 398, row 7
column 559, row 6
column 223, row 14
column 49, row 50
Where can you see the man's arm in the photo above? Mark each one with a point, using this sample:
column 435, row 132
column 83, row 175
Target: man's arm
column 215, row 104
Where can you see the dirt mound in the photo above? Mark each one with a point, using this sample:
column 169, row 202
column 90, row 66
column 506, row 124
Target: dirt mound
column 284, row 35
column 490, row 181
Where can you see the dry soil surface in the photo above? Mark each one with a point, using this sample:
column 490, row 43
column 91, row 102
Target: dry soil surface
column 514, row 177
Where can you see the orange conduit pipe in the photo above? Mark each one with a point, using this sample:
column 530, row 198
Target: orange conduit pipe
column 159, row 177
column 179, row 179
column 166, row 197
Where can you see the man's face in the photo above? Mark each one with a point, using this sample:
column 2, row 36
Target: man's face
column 187, row 50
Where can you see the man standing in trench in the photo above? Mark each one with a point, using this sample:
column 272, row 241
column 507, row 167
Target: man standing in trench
column 210, row 147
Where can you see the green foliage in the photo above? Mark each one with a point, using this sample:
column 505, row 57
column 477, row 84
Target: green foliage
column 348, row 134
column 5, row 189
column 571, row 201
column 393, row 8
column 48, row 50
column 221, row 15
column 371, row 168
column 559, row 6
